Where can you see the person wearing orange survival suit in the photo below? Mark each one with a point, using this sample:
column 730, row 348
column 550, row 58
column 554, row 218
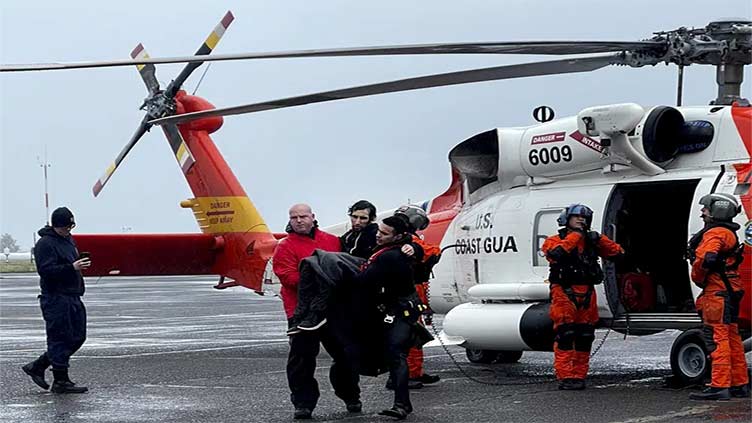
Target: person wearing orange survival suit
column 422, row 269
column 574, row 270
column 716, row 254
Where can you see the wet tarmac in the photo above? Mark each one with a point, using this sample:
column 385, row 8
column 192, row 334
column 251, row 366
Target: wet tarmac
column 176, row 350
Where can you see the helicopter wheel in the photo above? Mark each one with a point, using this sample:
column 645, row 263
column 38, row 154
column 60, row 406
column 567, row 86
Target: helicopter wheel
column 481, row 356
column 689, row 358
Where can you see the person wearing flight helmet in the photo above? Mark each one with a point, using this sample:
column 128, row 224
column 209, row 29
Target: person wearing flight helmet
column 574, row 270
column 427, row 256
column 715, row 254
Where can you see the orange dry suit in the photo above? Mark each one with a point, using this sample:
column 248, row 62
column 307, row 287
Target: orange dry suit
column 716, row 255
column 574, row 270
column 422, row 271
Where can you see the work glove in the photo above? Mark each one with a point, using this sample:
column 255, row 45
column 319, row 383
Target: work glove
column 593, row 237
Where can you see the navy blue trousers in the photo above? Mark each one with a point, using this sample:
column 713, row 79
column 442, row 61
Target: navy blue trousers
column 301, row 366
column 65, row 324
column 398, row 340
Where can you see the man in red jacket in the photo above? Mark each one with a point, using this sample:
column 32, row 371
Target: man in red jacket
column 302, row 239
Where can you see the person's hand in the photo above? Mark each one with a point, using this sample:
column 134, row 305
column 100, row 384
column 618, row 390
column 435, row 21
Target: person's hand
column 593, row 236
column 408, row 250
column 578, row 228
column 428, row 317
column 81, row 264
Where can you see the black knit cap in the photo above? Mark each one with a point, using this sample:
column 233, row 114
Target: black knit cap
column 62, row 217
column 399, row 222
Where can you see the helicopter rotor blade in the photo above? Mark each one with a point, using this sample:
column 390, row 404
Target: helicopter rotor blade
column 515, row 47
column 147, row 71
column 140, row 131
column 206, row 48
column 583, row 64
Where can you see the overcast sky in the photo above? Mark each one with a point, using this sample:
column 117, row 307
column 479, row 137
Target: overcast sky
column 388, row 148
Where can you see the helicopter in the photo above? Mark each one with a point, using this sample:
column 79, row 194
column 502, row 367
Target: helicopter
column 508, row 186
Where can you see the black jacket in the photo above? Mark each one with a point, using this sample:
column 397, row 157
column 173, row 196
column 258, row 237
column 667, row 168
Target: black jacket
column 389, row 275
column 54, row 256
column 360, row 243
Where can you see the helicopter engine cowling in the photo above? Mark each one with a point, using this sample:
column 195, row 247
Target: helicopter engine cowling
column 606, row 138
column 664, row 133
column 502, row 326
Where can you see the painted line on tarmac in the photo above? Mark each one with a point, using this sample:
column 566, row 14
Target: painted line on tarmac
column 690, row 411
column 184, row 351
column 21, row 353
column 630, row 382
column 192, row 386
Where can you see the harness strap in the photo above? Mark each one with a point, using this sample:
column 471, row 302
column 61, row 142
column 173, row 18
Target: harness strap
column 574, row 297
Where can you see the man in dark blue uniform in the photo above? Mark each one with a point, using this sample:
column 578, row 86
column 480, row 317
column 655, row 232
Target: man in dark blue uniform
column 59, row 265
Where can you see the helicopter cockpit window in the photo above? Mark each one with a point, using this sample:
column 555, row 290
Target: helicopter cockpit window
column 477, row 158
column 545, row 226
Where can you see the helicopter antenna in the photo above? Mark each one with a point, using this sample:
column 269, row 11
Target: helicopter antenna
column 680, row 86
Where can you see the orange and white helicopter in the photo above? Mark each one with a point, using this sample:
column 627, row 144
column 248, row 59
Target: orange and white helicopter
column 642, row 169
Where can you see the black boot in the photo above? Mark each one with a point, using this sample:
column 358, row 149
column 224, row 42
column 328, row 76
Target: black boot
column 712, row 394
column 427, row 379
column 578, row 384
column 411, row 384
column 396, row 412
column 293, row 330
column 565, row 384
column 302, row 413
column 354, row 406
column 63, row 385
column 312, row 321
column 36, row 370
column 741, row 391
column 571, row 384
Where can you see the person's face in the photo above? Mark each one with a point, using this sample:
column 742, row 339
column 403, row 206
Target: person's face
column 576, row 222
column 386, row 234
column 301, row 219
column 705, row 214
column 359, row 219
column 65, row 231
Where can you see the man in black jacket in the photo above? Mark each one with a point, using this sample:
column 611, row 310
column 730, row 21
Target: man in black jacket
column 361, row 239
column 388, row 276
column 59, row 266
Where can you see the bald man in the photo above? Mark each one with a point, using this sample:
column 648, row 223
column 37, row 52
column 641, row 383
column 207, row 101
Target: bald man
column 302, row 239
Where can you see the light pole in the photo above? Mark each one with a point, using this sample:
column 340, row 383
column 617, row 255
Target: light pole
column 44, row 165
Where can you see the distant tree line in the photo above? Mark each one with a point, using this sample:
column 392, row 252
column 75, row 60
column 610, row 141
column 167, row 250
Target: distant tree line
column 7, row 241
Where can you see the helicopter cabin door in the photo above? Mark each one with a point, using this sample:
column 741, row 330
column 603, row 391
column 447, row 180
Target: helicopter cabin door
column 652, row 222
